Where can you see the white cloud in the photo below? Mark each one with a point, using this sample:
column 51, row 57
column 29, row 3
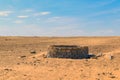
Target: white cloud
column 5, row 13
column 106, row 32
column 42, row 13
column 35, row 30
column 18, row 21
column 5, row 19
column 22, row 16
column 68, row 30
column 101, row 4
column 54, row 19
column 45, row 13
column 111, row 11
column 28, row 10
column 107, row 3
column 25, row 30
column 62, row 20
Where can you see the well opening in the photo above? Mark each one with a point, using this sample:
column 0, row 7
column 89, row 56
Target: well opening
column 67, row 51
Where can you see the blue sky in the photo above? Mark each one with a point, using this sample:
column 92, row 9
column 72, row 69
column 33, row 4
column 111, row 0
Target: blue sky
column 59, row 17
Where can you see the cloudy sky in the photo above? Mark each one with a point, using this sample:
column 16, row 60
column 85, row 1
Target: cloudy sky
column 59, row 18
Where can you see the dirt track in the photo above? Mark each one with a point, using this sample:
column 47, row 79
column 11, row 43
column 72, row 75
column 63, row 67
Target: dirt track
column 16, row 62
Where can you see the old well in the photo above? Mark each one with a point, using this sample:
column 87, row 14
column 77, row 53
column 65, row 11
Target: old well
column 67, row 51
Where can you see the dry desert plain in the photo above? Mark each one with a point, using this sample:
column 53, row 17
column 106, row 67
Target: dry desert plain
column 17, row 63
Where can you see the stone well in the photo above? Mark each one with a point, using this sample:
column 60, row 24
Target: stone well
column 67, row 51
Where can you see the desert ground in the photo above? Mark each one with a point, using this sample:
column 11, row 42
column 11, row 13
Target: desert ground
column 17, row 62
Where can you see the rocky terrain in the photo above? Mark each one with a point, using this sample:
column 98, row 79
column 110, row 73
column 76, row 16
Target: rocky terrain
column 23, row 58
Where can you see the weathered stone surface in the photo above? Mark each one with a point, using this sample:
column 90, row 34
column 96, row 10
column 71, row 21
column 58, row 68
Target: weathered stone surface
column 67, row 51
column 33, row 52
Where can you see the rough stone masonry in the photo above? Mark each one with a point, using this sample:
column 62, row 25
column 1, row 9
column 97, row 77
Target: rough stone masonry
column 67, row 51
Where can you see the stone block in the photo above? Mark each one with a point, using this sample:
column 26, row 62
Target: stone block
column 67, row 51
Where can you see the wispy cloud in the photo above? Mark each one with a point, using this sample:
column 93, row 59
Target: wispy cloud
column 54, row 19
column 28, row 10
column 5, row 19
column 18, row 21
column 101, row 4
column 45, row 13
column 22, row 30
column 61, row 20
column 42, row 13
column 5, row 13
column 104, row 32
column 107, row 3
column 111, row 11
column 22, row 16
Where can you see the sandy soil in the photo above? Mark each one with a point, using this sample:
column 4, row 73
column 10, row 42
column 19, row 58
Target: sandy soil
column 17, row 63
